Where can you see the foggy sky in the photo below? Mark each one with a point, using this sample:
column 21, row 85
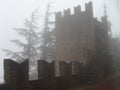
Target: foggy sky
column 14, row 12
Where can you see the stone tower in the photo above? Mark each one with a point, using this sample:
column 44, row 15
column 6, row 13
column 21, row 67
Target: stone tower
column 80, row 36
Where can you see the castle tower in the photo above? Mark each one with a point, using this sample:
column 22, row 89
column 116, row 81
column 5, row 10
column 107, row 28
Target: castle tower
column 75, row 34
column 80, row 36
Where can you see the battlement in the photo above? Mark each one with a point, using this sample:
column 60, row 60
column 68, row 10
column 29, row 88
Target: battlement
column 67, row 12
column 77, row 11
column 71, row 73
column 45, row 69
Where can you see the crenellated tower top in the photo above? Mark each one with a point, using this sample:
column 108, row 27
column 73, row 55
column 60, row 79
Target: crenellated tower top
column 77, row 11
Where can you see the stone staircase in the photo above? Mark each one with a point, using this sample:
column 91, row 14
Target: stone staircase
column 91, row 75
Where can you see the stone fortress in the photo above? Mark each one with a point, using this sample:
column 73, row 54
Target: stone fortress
column 82, row 56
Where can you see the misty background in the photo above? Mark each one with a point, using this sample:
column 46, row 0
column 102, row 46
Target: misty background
column 14, row 12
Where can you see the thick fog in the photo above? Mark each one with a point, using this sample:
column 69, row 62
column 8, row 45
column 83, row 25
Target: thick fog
column 14, row 12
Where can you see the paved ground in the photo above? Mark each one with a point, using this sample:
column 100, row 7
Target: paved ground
column 112, row 83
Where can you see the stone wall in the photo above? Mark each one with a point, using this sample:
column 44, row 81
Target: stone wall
column 16, row 74
column 72, row 74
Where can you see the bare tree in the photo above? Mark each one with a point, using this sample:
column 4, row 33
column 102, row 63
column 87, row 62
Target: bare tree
column 47, row 47
column 29, row 48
